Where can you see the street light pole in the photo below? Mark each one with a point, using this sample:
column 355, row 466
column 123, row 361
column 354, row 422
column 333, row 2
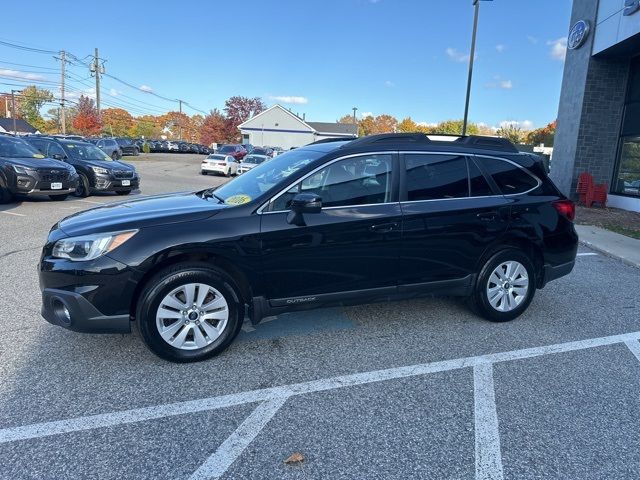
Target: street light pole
column 355, row 120
column 476, row 4
column 13, row 110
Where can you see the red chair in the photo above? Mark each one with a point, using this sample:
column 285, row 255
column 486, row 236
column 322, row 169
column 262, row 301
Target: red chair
column 598, row 194
column 585, row 185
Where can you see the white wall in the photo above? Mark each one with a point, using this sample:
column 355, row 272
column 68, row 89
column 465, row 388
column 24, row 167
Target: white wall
column 277, row 118
column 285, row 140
column 625, row 203
column 612, row 26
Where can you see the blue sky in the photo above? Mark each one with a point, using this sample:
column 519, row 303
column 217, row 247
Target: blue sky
column 402, row 57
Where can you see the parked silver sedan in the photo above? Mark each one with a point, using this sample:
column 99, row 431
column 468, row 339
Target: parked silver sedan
column 251, row 161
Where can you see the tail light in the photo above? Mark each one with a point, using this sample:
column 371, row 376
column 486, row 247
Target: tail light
column 566, row 208
column 222, row 164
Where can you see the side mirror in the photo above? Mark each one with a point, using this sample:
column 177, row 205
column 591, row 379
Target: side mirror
column 57, row 156
column 303, row 203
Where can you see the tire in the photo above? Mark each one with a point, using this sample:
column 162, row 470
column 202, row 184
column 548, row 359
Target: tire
column 202, row 172
column 82, row 191
column 123, row 192
column 59, row 198
column 228, row 174
column 167, row 286
column 114, row 155
column 509, row 303
column 5, row 195
column 136, row 152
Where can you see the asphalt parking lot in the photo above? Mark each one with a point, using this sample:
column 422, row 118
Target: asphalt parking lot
column 411, row 389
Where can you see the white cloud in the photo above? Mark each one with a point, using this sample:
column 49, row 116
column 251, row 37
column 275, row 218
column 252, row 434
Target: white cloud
column 75, row 95
column 500, row 48
column 366, row 114
column 426, row 124
column 532, row 40
column 113, row 92
column 456, row 56
column 524, row 124
column 146, row 88
column 20, row 75
column 558, row 48
column 500, row 83
column 290, row 99
column 389, row 83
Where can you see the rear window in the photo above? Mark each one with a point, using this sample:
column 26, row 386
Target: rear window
column 510, row 179
column 435, row 177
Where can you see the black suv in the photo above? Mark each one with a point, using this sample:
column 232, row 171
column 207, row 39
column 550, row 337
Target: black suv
column 335, row 222
column 98, row 172
column 128, row 146
column 24, row 171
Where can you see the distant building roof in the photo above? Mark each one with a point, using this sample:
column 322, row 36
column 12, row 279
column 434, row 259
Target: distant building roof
column 6, row 125
column 337, row 128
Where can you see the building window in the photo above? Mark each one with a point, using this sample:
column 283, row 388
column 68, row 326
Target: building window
column 628, row 176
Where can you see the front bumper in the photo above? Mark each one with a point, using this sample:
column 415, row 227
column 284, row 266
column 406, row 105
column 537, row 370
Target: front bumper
column 72, row 311
column 107, row 183
column 34, row 185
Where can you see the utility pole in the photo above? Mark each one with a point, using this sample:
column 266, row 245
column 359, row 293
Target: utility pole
column 97, row 69
column 476, row 5
column 355, row 120
column 180, row 121
column 13, row 110
column 63, row 116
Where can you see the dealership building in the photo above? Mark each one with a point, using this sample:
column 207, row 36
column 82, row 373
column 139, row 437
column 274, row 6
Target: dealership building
column 599, row 113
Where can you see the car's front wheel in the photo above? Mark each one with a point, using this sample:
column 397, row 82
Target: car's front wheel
column 505, row 287
column 82, row 190
column 189, row 313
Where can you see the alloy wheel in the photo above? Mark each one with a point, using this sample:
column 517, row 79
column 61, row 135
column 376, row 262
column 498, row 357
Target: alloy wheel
column 507, row 286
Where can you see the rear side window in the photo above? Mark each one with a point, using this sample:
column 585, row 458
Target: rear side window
column 509, row 178
column 436, row 177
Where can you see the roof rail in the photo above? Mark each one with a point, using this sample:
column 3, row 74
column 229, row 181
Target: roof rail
column 330, row 140
column 389, row 137
column 488, row 143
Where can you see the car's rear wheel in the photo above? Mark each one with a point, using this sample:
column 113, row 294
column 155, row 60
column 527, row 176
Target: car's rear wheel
column 59, row 198
column 202, row 172
column 228, row 174
column 189, row 313
column 82, row 190
column 505, row 287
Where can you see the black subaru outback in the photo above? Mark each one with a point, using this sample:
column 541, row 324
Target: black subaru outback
column 26, row 172
column 335, row 222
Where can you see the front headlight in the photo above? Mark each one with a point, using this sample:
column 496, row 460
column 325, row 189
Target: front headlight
column 100, row 170
column 88, row 247
column 23, row 170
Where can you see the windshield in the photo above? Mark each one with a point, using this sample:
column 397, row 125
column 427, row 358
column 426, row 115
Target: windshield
column 217, row 157
column 227, row 149
column 12, row 147
column 86, row 151
column 258, row 180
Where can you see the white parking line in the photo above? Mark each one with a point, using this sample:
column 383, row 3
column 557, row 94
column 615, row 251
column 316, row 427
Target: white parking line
column 488, row 455
column 77, row 424
column 90, row 201
column 587, row 254
column 234, row 445
column 13, row 213
column 634, row 346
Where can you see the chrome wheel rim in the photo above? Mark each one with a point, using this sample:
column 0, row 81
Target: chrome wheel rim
column 192, row 316
column 507, row 286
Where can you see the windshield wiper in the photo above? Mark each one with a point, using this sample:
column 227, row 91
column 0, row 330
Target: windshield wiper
column 209, row 194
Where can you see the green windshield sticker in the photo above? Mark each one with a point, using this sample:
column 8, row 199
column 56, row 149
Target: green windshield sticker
column 237, row 199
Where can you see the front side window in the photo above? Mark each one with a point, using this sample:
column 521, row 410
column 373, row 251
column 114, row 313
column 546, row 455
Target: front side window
column 361, row 180
column 86, row 151
column 436, row 177
column 510, row 179
column 55, row 149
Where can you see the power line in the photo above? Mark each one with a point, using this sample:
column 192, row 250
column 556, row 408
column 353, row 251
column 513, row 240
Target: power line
column 26, row 48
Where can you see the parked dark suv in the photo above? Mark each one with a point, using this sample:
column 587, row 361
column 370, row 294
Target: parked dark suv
column 341, row 222
column 26, row 172
column 97, row 171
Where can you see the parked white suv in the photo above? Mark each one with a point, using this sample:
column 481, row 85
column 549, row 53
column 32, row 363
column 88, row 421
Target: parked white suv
column 221, row 164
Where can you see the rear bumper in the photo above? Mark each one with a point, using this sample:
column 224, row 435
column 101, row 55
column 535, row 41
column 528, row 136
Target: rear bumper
column 80, row 315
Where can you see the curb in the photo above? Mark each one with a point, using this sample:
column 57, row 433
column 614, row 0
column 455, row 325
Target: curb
column 607, row 253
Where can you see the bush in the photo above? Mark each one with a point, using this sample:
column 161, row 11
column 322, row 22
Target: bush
column 146, row 148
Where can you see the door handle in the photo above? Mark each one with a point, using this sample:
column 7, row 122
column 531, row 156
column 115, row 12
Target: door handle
column 384, row 227
column 487, row 216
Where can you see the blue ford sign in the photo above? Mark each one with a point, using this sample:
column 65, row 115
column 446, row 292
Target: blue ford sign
column 578, row 34
column 631, row 7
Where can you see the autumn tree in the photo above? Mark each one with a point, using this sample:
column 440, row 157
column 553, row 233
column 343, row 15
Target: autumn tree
column 545, row 135
column 511, row 131
column 29, row 103
column 407, row 125
column 216, row 128
column 86, row 122
column 116, row 121
column 454, row 127
column 146, row 126
column 347, row 119
column 240, row 109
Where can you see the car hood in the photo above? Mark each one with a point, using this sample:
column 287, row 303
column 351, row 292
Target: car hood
column 109, row 165
column 140, row 213
column 38, row 163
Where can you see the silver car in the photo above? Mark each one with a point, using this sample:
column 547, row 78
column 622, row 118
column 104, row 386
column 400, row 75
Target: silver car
column 251, row 161
column 108, row 146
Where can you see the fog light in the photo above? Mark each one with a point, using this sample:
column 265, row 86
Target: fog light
column 61, row 312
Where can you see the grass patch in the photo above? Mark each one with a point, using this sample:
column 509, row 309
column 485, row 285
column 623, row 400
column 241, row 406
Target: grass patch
column 623, row 231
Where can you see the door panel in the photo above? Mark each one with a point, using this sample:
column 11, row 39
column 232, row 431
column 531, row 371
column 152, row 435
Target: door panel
column 340, row 249
column 443, row 237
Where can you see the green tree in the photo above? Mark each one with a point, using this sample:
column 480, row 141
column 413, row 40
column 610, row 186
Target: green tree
column 454, row 127
column 30, row 101
column 407, row 125
column 512, row 132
